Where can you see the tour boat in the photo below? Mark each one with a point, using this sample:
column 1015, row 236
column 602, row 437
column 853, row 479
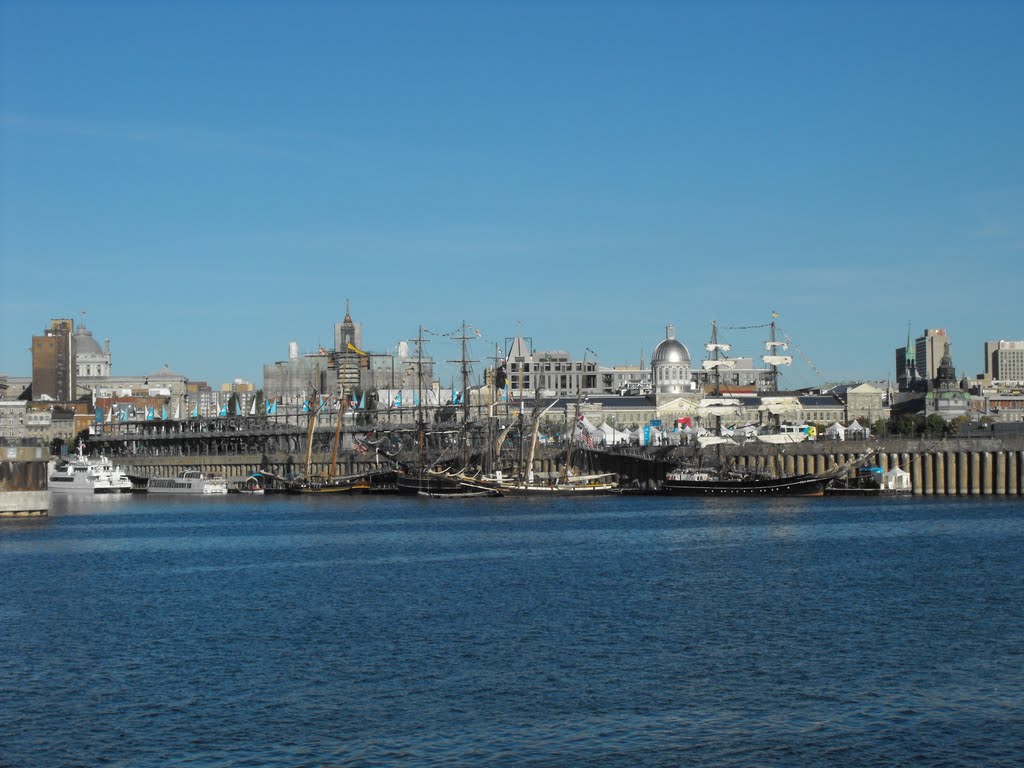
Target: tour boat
column 88, row 474
column 191, row 481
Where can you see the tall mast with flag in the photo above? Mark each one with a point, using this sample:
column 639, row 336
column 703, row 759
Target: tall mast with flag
column 772, row 358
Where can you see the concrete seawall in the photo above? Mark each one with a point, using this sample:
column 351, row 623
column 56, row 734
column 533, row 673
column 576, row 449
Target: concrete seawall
column 938, row 468
column 23, row 490
column 966, row 467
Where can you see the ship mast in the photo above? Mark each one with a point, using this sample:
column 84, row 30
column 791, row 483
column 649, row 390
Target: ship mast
column 314, row 406
column 772, row 358
column 464, row 362
column 421, row 426
column 576, row 420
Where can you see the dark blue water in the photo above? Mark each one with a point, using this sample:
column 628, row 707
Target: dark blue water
column 613, row 631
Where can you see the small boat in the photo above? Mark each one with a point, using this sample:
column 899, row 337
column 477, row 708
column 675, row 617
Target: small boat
column 191, row 481
column 251, row 485
column 867, row 481
column 87, row 474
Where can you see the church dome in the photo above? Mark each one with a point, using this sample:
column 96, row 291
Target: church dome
column 671, row 350
column 85, row 344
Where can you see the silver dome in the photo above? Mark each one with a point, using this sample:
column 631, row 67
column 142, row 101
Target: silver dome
column 85, row 344
column 670, row 350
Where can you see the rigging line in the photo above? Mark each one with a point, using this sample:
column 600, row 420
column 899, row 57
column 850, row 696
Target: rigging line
column 805, row 357
column 746, row 327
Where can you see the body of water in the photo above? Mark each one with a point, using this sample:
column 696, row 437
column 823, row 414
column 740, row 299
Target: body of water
column 362, row 630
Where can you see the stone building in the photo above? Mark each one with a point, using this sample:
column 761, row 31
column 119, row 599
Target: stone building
column 92, row 362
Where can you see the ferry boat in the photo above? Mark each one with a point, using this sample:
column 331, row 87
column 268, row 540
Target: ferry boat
column 89, row 474
column 191, row 481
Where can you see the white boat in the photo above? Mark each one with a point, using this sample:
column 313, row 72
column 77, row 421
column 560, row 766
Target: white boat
column 87, row 474
column 191, row 481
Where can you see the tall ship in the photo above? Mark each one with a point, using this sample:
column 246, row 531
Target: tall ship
column 699, row 482
column 715, row 478
column 191, row 482
column 88, row 474
column 439, row 482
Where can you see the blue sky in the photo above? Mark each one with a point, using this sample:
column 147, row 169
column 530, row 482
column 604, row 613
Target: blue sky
column 211, row 180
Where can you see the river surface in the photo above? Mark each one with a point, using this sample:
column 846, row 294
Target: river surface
column 619, row 631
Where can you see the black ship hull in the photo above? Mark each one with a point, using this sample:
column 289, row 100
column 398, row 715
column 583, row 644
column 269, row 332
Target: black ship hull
column 798, row 485
column 435, row 485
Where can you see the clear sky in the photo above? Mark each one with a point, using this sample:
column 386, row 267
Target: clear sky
column 209, row 180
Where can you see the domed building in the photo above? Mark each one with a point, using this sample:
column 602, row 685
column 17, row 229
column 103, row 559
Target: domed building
column 670, row 365
column 91, row 361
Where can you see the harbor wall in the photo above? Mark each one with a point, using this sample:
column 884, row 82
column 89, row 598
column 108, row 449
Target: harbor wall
column 966, row 467
column 23, row 490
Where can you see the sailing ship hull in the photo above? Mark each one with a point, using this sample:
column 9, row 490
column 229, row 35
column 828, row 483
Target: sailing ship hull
column 427, row 484
column 328, row 486
column 558, row 489
column 798, row 485
column 441, row 486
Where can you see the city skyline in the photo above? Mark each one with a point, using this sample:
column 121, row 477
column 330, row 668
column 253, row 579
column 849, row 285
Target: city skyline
column 212, row 182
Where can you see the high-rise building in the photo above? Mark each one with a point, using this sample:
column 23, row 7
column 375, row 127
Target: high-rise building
column 928, row 350
column 53, row 362
column 1004, row 360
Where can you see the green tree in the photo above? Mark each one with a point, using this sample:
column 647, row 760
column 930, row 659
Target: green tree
column 934, row 426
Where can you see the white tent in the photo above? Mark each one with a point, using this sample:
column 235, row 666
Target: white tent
column 836, row 432
column 896, row 479
column 855, row 430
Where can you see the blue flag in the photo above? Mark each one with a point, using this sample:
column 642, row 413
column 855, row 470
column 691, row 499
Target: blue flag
column 99, row 415
column 398, row 400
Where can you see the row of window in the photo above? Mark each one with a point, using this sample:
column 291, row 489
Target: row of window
column 548, row 367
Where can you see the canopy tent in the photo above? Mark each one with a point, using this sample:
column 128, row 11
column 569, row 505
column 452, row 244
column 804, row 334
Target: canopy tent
column 836, row 432
column 896, row 479
column 854, row 429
